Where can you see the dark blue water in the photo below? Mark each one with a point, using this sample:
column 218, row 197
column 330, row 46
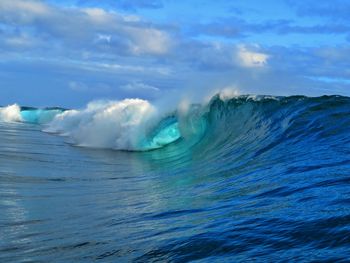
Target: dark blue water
column 261, row 180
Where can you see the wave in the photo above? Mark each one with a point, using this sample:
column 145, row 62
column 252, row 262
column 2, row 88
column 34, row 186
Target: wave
column 131, row 124
column 223, row 124
column 16, row 113
column 233, row 178
column 39, row 116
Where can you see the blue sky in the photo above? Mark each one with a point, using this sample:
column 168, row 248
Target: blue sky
column 68, row 53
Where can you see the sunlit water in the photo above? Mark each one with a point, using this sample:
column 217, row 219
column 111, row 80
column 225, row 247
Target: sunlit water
column 269, row 182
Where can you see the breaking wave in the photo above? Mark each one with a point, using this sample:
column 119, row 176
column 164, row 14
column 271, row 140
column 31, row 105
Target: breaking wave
column 137, row 125
column 11, row 113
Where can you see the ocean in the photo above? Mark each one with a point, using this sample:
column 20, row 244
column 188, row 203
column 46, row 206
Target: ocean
column 248, row 178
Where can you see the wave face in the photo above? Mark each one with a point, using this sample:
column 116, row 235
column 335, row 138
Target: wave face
column 257, row 124
column 236, row 179
column 39, row 116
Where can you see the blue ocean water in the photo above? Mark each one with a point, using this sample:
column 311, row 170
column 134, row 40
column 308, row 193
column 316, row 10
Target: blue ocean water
column 241, row 179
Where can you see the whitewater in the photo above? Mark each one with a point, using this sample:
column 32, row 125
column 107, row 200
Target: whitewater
column 234, row 178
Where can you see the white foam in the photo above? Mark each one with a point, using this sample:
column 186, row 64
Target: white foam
column 225, row 94
column 10, row 113
column 118, row 125
column 259, row 98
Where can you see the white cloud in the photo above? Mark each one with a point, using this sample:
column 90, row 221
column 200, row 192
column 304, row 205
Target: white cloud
column 98, row 15
column 139, row 86
column 20, row 11
column 148, row 40
column 81, row 27
column 79, row 86
column 251, row 59
column 20, row 41
column 104, row 38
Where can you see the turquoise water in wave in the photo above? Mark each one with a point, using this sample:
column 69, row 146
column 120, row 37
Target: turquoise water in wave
column 246, row 179
column 39, row 116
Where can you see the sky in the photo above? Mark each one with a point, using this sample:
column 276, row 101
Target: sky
column 69, row 52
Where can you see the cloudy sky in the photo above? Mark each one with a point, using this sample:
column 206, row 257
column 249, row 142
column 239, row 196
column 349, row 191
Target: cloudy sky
column 69, row 52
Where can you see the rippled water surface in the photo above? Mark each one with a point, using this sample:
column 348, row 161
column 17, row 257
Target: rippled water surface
column 267, row 180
